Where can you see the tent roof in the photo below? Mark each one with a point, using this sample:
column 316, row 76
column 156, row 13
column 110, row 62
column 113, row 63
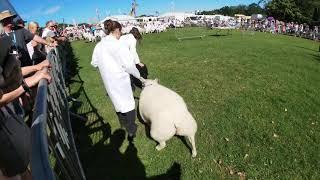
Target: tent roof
column 119, row 18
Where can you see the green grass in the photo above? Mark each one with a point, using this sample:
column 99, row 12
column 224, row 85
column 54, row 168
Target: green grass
column 256, row 99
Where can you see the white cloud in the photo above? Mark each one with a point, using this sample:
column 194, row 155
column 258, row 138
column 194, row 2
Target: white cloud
column 52, row 10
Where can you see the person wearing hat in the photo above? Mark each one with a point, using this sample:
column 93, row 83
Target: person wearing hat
column 15, row 139
column 20, row 38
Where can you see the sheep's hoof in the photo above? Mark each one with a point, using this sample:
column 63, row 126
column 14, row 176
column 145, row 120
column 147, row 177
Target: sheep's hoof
column 160, row 146
column 194, row 154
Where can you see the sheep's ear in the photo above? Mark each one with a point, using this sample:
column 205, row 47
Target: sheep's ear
column 156, row 80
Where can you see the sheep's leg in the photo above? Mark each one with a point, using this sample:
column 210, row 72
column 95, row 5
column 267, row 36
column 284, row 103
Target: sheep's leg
column 161, row 145
column 193, row 143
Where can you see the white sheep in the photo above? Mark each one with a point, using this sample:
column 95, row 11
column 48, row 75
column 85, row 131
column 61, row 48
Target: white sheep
column 167, row 113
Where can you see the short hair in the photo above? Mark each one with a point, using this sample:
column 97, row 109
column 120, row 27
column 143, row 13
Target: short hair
column 31, row 24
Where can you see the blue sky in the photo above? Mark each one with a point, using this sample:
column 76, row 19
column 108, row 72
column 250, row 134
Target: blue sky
column 85, row 10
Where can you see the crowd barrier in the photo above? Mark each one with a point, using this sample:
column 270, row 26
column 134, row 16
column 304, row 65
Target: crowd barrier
column 54, row 154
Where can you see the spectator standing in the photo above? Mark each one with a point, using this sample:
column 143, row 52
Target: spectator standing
column 15, row 139
column 20, row 37
column 36, row 50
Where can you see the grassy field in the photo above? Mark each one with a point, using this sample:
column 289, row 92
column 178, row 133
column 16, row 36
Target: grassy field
column 255, row 97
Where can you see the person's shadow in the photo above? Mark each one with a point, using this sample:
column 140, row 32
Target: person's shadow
column 122, row 166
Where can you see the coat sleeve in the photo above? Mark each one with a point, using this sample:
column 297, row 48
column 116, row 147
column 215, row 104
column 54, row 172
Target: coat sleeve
column 133, row 51
column 127, row 61
column 95, row 56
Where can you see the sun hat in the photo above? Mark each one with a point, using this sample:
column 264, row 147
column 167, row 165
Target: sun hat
column 6, row 14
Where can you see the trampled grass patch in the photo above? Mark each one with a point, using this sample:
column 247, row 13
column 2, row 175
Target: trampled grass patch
column 255, row 98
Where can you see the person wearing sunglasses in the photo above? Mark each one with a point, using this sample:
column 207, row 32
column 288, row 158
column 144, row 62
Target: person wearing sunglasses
column 19, row 38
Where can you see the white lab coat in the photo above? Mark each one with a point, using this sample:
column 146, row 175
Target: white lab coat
column 130, row 42
column 115, row 64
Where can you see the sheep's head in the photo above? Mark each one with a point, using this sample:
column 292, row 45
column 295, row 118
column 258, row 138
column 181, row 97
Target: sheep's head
column 150, row 82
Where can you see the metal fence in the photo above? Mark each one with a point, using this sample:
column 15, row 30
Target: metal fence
column 54, row 154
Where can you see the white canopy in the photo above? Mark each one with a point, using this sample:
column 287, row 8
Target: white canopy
column 177, row 15
column 127, row 18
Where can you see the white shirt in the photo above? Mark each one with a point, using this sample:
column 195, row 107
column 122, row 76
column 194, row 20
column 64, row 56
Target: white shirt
column 130, row 42
column 30, row 49
column 47, row 33
column 115, row 64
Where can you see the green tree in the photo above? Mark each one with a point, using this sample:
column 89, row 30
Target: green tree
column 303, row 11
column 240, row 9
column 254, row 9
column 285, row 10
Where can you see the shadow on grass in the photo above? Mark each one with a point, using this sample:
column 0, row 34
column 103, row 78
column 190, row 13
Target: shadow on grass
column 316, row 57
column 98, row 148
column 301, row 47
column 218, row 35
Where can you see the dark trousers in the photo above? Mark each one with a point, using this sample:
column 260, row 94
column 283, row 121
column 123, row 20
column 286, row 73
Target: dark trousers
column 143, row 73
column 127, row 120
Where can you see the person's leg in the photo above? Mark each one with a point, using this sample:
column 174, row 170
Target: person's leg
column 122, row 119
column 130, row 121
column 127, row 121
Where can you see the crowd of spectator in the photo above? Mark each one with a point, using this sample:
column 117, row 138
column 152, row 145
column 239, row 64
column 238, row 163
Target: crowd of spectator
column 269, row 25
column 279, row 27
column 23, row 64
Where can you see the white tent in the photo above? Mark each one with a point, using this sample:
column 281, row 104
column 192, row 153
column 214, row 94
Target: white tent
column 256, row 16
column 121, row 18
column 181, row 16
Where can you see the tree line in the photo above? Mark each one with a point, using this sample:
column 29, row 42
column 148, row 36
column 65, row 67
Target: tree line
column 301, row 11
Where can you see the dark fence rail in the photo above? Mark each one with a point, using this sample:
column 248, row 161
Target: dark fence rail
column 54, row 154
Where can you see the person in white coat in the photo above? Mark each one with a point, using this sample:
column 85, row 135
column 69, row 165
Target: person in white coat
column 115, row 64
column 130, row 41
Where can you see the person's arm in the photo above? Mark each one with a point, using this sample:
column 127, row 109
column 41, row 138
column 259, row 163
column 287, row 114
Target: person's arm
column 30, row 82
column 42, row 41
column 8, row 97
column 30, row 69
column 95, row 55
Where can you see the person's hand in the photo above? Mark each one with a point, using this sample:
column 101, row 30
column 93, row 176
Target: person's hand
column 141, row 64
column 53, row 44
column 34, row 80
column 43, row 64
column 34, row 43
column 142, row 80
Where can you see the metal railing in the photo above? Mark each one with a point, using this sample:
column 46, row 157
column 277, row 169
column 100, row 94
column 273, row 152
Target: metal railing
column 54, row 154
